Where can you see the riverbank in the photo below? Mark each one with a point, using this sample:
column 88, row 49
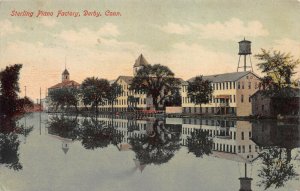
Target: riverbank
column 142, row 115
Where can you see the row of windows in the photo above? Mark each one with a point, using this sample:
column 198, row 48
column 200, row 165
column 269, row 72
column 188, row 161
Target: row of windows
column 125, row 102
column 232, row 99
column 228, row 86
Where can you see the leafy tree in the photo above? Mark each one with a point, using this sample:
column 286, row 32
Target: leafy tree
column 9, row 89
column 94, row 91
column 114, row 91
column 199, row 91
column 276, row 169
column 158, row 146
column 63, row 127
column 9, row 142
column 199, row 143
column 96, row 134
column 174, row 100
column 279, row 69
column 133, row 101
column 65, row 97
column 157, row 81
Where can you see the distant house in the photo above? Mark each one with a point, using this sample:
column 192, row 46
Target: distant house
column 264, row 105
column 231, row 94
column 65, row 83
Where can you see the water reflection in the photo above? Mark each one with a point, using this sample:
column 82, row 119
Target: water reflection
column 268, row 146
column 10, row 139
column 277, row 141
column 158, row 145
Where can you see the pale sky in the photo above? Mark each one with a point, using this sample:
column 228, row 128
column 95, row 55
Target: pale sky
column 191, row 37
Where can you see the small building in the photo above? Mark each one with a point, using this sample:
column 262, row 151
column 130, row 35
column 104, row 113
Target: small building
column 65, row 83
column 267, row 106
column 231, row 94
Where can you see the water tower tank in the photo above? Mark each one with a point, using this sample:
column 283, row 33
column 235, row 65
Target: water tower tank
column 244, row 47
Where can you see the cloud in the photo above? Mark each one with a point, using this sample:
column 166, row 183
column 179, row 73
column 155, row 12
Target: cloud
column 188, row 60
column 231, row 30
column 288, row 45
column 7, row 28
column 86, row 36
column 48, row 22
column 174, row 28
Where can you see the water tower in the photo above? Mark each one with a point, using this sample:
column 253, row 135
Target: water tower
column 245, row 50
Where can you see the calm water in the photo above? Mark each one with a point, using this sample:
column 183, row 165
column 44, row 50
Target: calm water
column 49, row 152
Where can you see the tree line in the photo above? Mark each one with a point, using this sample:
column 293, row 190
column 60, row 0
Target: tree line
column 10, row 103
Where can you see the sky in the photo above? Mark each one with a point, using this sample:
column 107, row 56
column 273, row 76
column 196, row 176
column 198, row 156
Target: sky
column 192, row 37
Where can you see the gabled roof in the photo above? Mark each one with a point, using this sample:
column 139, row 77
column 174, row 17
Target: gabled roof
column 141, row 61
column 67, row 83
column 226, row 77
column 127, row 79
column 66, row 72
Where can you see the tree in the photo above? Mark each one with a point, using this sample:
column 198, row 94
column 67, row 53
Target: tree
column 199, row 91
column 133, row 101
column 158, row 146
column 279, row 69
column 114, row 91
column 94, row 91
column 199, row 143
column 157, row 81
column 9, row 89
column 276, row 168
column 64, row 97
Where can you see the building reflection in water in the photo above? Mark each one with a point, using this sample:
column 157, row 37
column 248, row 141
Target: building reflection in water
column 279, row 142
column 155, row 141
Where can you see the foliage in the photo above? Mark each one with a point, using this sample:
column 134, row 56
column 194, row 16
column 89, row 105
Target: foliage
column 133, row 101
column 114, row 91
column 94, row 91
column 96, row 134
column 157, row 147
column 65, row 97
column 64, row 127
column 157, row 81
column 199, row 143
column 9, row 142
column 9, row 89
column 279, row 69
column 174, row 99
column 276, row 168
column 199, row 90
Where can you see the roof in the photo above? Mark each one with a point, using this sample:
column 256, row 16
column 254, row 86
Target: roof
column 68, row 83
column 66, row 72
column 141, row 61
column 226, row 77
column 294, row 91
column 127, row 79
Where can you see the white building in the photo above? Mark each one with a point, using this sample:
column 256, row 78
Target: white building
column 231, row 94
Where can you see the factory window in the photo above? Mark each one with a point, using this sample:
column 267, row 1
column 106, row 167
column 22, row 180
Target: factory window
column 239, row 85
column 233, row 83
column 233, row 98
column 242, row 135
column 242, row 98
column 226, row 85
column 249, row 85
column 243, row 85
column 230, row 85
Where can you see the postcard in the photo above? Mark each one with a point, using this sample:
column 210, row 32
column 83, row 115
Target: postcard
column 149, row 95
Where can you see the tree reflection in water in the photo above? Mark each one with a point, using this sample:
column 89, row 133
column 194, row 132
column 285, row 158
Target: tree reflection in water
column 276, row 169
column 9, row 142
column 64, row 126
column 158, row 146
column 97, row 134
column 199, row 143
